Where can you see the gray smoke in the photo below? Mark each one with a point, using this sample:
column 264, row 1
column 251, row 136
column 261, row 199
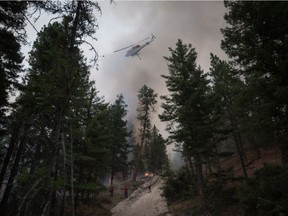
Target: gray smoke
column 127, row 22
column 123, row 24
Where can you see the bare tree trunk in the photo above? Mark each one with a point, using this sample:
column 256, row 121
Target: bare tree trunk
column 54, row 176
column 13, row 140
column 14, row 171
column 141, row 144
column 27, row 206
column 73, row 207
column 112, row 177
column 53, row 166
column 238, row 142
column 135, row 171
column 254, row 145
column 206, row 171
column 63, row 209
column 200, row 182
column 24, row 199
column 45, row 208
column 35, row 159
column 189, row 163
column 240, row 153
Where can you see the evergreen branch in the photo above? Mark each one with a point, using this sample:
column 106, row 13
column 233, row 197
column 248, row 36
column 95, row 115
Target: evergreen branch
column 92, row 48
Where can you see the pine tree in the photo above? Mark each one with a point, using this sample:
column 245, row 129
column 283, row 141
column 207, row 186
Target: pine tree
column 11, row 34
column 46, row 117
column 256, row 39
column 157, row 158
column 54, row 84
column 147, row 101
column 119, row 137
column 229, row 89
column 188, row 109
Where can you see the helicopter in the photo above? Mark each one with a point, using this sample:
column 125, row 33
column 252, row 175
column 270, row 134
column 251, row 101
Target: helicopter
column 134, row 51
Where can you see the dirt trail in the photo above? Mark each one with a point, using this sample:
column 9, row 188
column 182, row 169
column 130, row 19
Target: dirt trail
column 144, row 203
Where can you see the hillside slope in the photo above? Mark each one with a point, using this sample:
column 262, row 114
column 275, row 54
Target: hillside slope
column 142, row 202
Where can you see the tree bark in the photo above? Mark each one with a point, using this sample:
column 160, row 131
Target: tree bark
column 25, row 198
column 240, row 153
column 73, row 206
column 14, row 171
column 55, row 137
column 63, row 209
column 135, row 173
column 13, row 140
column 238, row 142
column 200, row 182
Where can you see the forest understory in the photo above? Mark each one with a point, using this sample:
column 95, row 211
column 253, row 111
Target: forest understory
column 222, row 194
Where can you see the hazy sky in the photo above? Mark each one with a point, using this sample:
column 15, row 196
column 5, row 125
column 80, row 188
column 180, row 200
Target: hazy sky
column 127, row 22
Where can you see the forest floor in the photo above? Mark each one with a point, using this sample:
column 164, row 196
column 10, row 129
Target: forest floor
column 104, row 202
column 142, row 203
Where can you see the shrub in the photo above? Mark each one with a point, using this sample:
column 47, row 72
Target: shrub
column 267, row 193
column 179, row 185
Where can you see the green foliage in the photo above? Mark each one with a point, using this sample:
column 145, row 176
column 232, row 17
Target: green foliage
column 187, row 110
column 179, row 185
column 156, row 154
column 119, row 135
column 261, row 56
column 266, row 194
column 56, row 113
column 11, row 34
column 147, row 101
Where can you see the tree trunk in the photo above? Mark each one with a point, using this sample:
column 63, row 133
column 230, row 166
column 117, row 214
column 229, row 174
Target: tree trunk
column 54, row 177
column 13, row 173
column 135, row 171
column 55, row 137
column 63, row 209
column 73, row 206
column 200, row 182
column 35, row 160
column 13, row 140
column 26, row 197
column 112, row 177
column 190, row 164
column 256, row 148
column 240, row 153
column 238, row 142
column 141, row 145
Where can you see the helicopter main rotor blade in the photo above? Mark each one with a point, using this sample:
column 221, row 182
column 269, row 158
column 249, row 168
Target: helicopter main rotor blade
column 131, row 45
column 142, row 40
column 123, row 48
